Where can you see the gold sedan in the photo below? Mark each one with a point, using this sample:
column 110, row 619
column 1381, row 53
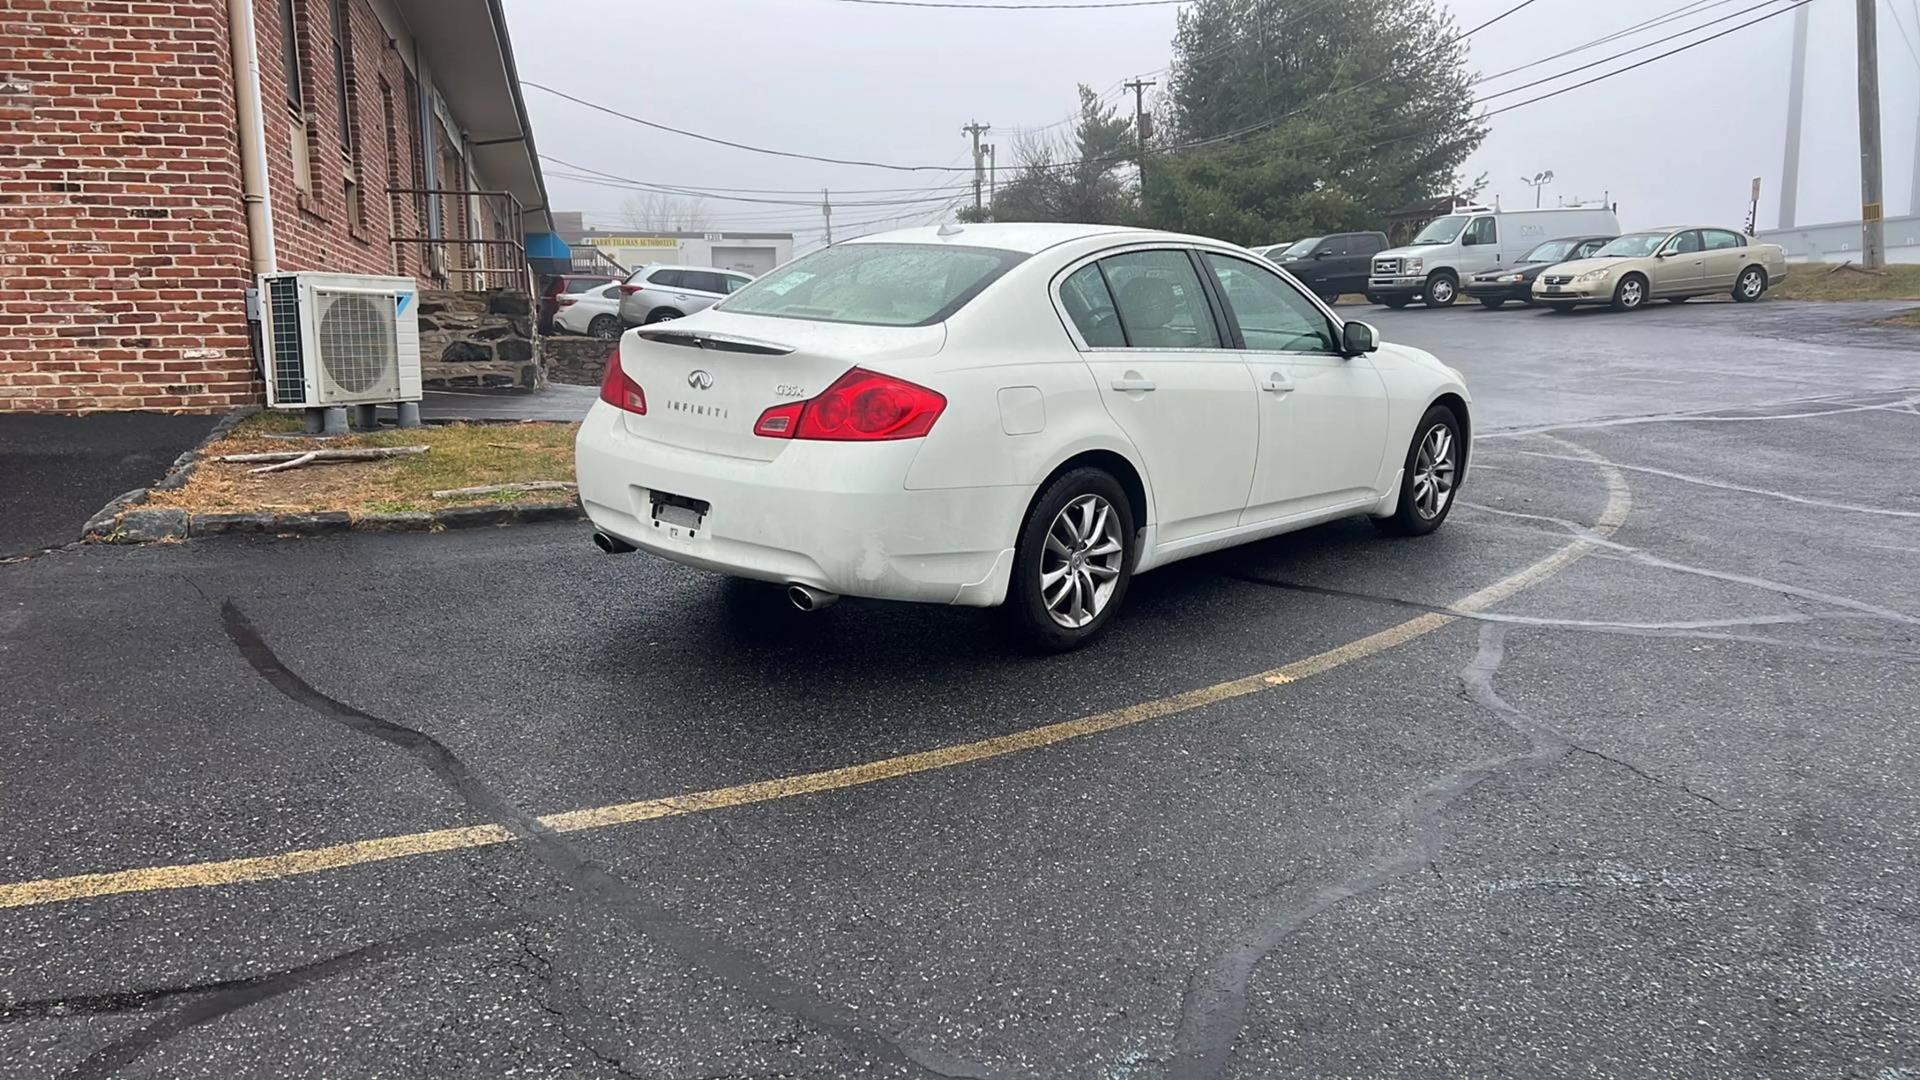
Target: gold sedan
column 1671, row 264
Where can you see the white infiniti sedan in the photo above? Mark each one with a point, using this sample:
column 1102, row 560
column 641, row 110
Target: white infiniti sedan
column 1016, row 415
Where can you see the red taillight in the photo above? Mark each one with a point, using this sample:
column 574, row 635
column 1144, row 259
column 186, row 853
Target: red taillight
column 860, row 406
column 629, row 290
column 565, row 301
column 619, row 391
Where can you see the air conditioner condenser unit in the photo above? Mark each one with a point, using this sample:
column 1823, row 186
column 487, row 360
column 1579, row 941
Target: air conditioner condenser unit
column 340, row 339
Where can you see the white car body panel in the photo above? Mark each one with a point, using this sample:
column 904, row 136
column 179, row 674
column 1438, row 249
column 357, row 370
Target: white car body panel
column 578, row 316
column 936, row 518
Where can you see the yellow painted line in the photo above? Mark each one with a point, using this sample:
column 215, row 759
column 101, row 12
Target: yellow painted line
column 383, row 849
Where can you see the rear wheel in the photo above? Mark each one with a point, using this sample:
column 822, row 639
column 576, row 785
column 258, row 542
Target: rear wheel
column 662, row 315
column 1492, row 303
column 604, row 327
column 1329, row 298
column 1430, row 477
column 1442, row 289
column 1630, row 293
column 1072, row 562
column 1750, row 285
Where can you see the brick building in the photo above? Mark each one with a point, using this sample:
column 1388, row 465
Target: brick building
column 391, row 139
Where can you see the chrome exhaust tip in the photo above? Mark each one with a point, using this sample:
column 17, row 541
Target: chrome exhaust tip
column 808, row 598
column 612, row 545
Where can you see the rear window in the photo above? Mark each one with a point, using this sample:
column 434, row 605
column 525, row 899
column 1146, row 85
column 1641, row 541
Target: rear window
column 584, row 284
column 875, row 284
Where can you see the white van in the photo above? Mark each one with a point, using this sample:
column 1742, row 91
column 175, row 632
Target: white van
column 1473, row 240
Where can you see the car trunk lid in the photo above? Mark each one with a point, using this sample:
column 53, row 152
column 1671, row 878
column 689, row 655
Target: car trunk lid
column 708, row 379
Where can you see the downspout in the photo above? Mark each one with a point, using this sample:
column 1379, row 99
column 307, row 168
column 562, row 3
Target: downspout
column 255, row 191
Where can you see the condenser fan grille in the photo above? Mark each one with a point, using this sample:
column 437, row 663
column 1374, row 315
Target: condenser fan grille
column 358, row 351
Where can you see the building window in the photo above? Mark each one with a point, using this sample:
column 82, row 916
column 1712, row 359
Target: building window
column 290, row 57
column 343, row 77
column 296, row 97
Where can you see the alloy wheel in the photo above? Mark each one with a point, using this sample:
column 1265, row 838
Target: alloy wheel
column 1752, row 284
column 1081, row 563
column 1441, row 291
column 1433, row 472
column 1631, row 293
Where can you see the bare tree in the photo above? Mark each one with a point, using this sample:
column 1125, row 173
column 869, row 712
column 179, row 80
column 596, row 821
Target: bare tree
column 661, row 212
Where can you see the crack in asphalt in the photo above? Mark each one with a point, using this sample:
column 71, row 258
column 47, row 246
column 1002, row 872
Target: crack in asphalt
column 614, row 894
column 205, row 1003
column 1688, row 629
column 1215, row 1005
column 1825, row 504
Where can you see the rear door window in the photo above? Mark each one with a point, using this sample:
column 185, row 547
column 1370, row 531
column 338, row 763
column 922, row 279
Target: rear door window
column 1089, row 304
column 1721, row 240
column 1160, row 300
column 1366, row 244
column 667, row 279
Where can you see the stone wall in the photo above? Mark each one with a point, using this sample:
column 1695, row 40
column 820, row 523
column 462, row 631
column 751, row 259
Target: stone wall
column 478, row 339
column 577, row 360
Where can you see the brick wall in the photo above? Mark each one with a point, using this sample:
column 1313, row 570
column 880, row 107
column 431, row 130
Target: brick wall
column 122, row 241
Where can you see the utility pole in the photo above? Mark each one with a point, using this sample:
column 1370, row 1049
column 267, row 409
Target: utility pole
column 977, row 129
column 1873, row 254
column 1140, row 124
column 826, row 211
column 1796, row 98
column 993, row 174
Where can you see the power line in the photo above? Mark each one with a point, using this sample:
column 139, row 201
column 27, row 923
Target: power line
column 604, row 180
column 1893, row 9
column 707, row 188
column 1625, row 52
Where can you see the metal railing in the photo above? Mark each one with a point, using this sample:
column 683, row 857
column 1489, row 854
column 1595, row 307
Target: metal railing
column 461, row 258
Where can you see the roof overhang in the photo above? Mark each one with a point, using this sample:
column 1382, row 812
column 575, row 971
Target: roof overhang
column 470, row 60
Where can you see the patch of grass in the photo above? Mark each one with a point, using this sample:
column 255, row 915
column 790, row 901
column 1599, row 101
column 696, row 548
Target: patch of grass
column 1814, row 281
column 1905, row 318
column 462, row 455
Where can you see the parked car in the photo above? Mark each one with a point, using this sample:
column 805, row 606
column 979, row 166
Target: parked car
column 657, row 293
column 1474, row 240
column 568, row 285
column 1495, row 288
column 596, row 313
column 1014, row 415
column 1672, row 264
column 1272, row 251
column 1335, row 264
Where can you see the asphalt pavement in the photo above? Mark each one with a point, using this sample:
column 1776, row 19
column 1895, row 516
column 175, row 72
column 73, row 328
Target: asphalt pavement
column 1613, row 776
column 57, row 471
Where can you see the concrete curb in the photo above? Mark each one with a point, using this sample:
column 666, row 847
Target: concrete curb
column 147, row 525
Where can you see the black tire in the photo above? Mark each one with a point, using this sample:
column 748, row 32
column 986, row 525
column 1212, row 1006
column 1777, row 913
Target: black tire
column 1630, row 294
column 1443, row 288
column 661, row 315
column 605, row 327
column 1408, row 518
column 1329, row 298
column 1751, row 285
column 1493, row 303
column 1678, row 299
column 1026, row 612
column 1395, row 302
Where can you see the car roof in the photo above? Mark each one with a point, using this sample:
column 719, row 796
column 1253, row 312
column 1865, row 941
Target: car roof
column 650, row 267
column 1027, row 237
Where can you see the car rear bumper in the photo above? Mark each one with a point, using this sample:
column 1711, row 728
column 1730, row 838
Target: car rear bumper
column 1502, row 290
column 836, row 516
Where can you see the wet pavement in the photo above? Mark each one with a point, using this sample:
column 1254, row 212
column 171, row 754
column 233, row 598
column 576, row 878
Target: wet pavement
column 56, row 471
column 1613, row 776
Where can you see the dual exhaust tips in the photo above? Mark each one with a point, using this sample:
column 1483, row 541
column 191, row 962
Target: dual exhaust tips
column 802, row 597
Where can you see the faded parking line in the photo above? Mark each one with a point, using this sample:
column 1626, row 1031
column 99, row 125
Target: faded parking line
column 383, row 849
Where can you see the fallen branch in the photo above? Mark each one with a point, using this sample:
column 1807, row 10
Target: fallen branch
column 495, row 489
column 373, row 453
column 307, row 458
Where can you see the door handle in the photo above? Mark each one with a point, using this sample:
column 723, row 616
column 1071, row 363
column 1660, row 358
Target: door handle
column 1277, row 383
column 1132, row 383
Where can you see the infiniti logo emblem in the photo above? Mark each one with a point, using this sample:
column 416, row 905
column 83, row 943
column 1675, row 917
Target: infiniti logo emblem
column 700, row 379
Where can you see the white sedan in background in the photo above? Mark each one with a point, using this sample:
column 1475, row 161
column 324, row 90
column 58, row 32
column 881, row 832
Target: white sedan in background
column 595, row 312
column 1014, row 415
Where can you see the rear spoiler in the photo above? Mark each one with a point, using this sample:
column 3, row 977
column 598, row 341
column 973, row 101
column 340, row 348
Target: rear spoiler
column 707, row 339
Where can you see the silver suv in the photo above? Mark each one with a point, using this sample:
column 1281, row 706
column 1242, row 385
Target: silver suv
column 656, row 293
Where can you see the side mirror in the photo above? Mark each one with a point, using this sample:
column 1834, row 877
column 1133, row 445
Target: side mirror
column 1664, row 252
column 1358, row 337
column 1322, row 253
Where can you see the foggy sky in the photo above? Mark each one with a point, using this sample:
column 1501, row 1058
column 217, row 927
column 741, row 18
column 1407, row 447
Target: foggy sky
column 1675, row 141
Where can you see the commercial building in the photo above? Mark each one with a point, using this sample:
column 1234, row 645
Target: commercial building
column 752, row 252
column 155, row 157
